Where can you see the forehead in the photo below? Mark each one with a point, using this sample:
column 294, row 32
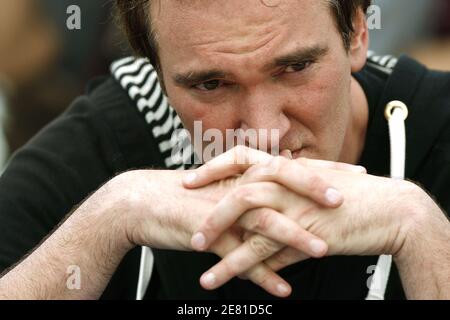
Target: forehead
column 209, row 29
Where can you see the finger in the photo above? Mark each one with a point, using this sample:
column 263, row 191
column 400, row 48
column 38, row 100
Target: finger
column 312, row 163
column 260, row 274
column 227, row 165
column 264, row 277
column 247, row 235
column 245, row 257
column 232, row 206
column 232, row 162
column 296, row 177
column 280, row 231
column 285, row 258
column 258, row 248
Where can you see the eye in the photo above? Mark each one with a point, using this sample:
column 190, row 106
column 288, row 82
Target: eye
column 209, row 85
column 297, row 67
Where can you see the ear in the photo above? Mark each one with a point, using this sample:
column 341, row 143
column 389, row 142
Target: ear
column 359, row 43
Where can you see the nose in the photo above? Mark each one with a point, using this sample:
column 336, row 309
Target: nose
column 262, row 111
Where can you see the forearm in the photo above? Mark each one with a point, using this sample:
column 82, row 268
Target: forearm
column 76, row 261
column 424, row 260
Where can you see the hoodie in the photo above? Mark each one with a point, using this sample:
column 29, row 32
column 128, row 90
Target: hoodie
column 125, row 122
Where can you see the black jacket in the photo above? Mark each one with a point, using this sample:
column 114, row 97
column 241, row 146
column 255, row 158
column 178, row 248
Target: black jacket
column 103, row 134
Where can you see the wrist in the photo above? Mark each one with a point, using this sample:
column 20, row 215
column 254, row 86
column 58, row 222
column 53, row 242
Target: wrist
column 132, row 201
column 89, row 240
column 106, row 211
column 423, row 258
column 419, row 216
column 408, row 204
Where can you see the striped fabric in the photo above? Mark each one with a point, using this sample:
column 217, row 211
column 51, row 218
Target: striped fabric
column 138, row 78
column 385, row 63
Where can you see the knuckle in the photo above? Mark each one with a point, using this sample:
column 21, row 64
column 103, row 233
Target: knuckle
column 261, row 247
column 260, row 276
column 245, row 195
column 276, row 165
column 315, row 183
column 208, row 225
column 267, row 187
column 283, row 258
column 263, row 220
column 288, row 257
column 254, row 171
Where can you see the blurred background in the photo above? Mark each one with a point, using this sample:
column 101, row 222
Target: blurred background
column 44, row 65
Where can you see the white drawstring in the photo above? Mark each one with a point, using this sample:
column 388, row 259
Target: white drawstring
column 145, row 272
column 396, row 113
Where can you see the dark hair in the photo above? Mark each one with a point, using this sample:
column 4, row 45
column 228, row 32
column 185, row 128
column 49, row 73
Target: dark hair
column 134, row 17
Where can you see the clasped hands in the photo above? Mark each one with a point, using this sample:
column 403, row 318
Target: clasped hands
column 283, row 211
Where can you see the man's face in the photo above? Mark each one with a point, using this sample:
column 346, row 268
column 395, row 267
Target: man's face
column 255, row 64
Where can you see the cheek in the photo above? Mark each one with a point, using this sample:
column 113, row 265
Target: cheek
column 322, row 107
column 217, row 116
column 321, row 104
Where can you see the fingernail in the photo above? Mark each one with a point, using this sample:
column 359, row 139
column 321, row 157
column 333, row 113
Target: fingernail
column 282, row 289
column 362, row 169
column 317, row 246
column 190, row 178
column 333, row 196
column 358, row 169
column 198, row 241
column 209, row 279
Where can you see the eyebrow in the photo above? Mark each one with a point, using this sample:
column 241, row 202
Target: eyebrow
column 299, row 55
column 304, row 54
column 195, row 77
